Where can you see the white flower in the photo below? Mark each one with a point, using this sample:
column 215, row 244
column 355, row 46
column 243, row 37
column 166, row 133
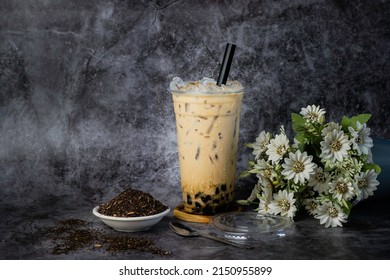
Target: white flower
column 330, row 127
column 255, row 192
column 335, row 146
column 366, row 184
column 298, row 167
column 283, row 203
column 320, row 180
column 349, row 167
column 361, row 141
column 264, row 170
column 266, row 187
column 313, row 114
column 277, row 147
column 331, row 215
column 263, row 207
column 341, row 188
column 323, row 169
column 261, row 143
column 311, row 205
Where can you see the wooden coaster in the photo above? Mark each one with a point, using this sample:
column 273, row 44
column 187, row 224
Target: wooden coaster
column 180, row 214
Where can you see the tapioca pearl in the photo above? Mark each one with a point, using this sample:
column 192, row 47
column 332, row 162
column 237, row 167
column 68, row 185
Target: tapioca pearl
column 206, row 198
column 198, row 194
column 198, row 205
column 217, row 190
column 189, row 199
column 223, row 187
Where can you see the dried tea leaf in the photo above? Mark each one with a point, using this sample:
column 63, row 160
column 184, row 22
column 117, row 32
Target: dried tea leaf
column 132, row 203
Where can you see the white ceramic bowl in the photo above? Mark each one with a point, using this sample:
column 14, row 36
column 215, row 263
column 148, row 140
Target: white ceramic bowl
column 131, row 224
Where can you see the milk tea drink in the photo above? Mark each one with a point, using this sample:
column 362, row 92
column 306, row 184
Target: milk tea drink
column 207, row 125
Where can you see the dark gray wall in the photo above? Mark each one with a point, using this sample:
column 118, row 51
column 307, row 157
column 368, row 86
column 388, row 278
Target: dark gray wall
column 83, row 104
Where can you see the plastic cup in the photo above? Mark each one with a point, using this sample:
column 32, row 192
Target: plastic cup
column 207, row 126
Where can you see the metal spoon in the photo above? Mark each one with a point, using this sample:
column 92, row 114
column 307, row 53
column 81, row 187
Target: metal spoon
column 184, row 230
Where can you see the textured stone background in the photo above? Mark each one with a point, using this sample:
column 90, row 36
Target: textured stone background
column 83, row 104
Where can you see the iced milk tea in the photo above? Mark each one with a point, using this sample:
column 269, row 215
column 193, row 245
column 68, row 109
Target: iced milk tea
column 207, row 124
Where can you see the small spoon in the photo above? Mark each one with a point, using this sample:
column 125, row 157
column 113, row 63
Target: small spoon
column 184, row 230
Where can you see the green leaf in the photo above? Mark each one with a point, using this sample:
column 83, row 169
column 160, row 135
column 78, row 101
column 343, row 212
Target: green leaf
column 297, row 118
column 301, row 139
column 245, row 174
column 248, row 145
column 346, row 122
column 244, row 202
column 299, row 126
column 347, row 206
column 298, row 122
column 362, row 118
column 374, row 166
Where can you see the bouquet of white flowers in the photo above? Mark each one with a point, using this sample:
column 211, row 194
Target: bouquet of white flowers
column 327, row 169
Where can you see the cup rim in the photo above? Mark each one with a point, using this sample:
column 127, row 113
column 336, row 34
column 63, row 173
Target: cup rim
column 205, row 92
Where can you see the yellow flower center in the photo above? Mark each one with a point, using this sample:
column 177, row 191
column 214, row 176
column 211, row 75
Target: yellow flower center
column 298, row 167
column 320, row 177
column 312, row 116
column 284, row 204
column 342, row 187
column 281, row 150
column 359, row 140
column 332, row 212
column 362, row 183
column 335, row 145
column 267, row 173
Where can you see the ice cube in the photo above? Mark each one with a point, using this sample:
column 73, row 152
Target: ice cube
column 176, row 83
column 205, row 81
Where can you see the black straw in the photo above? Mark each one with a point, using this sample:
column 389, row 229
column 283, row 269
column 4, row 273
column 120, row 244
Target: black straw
column 226, row 63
